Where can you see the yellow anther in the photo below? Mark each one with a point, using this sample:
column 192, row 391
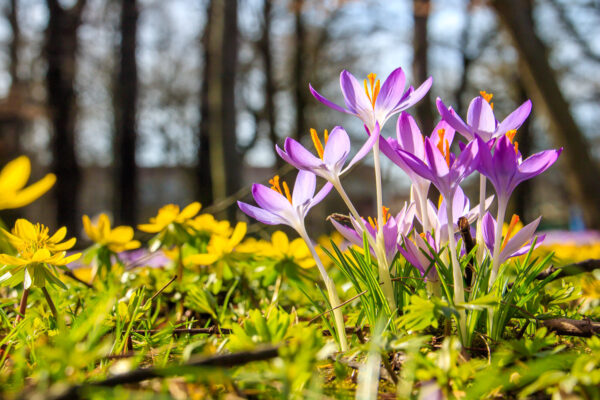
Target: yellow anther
column 386, row 213
column 443, row 145
column 317, row 142
column 372, row 88
column 276, row 186
column 440, row 199
column 373, row 223
column 511, row 134
column 487, row 97
column 513, row 222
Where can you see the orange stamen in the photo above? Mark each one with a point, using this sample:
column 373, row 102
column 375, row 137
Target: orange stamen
column 511, row 134
column 276, row 186
column 513, row 222
column 517, row 148
column 317, row 142
column 386, row 213
column 373, row 223
column 372, row 89
column 443, row 145
column 440, row 199
column 487, row 97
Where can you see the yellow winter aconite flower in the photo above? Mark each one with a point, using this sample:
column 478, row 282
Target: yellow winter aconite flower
column 169, row 214
column 36, row 249
column 219, row 247
column 295, row 251
column 14, row 177
column 207, row 224
column 117, row 239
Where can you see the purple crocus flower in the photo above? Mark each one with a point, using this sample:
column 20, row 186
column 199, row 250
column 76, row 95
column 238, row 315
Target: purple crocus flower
column 506, row 168
column 517, row 245
column 375, row 103
column 278, row 206
column 481, row 120
column 410, row 139
column 418, row 253
column 393, row 229
column 443, row 169
column 331, row 157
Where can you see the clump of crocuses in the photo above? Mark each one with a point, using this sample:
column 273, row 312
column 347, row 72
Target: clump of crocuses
column 423, row 232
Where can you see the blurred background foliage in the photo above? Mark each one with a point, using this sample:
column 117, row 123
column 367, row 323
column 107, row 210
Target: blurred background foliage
column 137, row 103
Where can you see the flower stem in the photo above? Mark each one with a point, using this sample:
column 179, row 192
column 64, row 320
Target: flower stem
column 179, row 263
column 459, row 292
column 381, row 259
column 502, row 204
column 384, row 268
column 22, row 306
column 50, row 303
column 479, row 236
column 334, row 300
column 424, row 214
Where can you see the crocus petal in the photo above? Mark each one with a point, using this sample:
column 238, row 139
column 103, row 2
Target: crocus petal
column 538, row 163
column 304, row 188
column 261, row 215
column 321, row 194
column 364, row 150
column 354, row 95
column 392, row 90
column 436, row 160
column 416, row 165
column 415, row 95
column 452, row 118
column 269, row 199
column 328, row 103
column 448, row 133
column 300, row 157
column 488, row 225
column 348, row 233
column 480, row 117
column 523, row 236
column 337, row 147
column 515, row 119
column 409, row 135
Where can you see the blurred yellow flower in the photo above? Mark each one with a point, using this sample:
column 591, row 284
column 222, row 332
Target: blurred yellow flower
column 324, row 241
column 295, row 251
column 117, row 239
column 207, row 224
column 169, row 214
column 14, row 177
column 219, row 247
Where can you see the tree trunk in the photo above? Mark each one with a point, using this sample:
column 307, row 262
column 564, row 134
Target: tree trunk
column 424, row 110
column 204, row 191
column 541, row 84
column 60, row 49
column 231, row 155
column 299, row 71
column 265, row 46
column 125, row 105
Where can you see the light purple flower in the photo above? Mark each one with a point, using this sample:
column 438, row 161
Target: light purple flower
column 418, row 253
column 331, row 157
column 278, row 206
column 375, row 103
column 481, row 120
column 517, row 245
column 393, row 229
column 444, row 170
column 506, row 168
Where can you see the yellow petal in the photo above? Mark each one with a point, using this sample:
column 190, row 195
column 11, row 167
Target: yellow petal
column 65, row 245
column 238, row 234
column 15, row 174
column 88, row 228
column 31, row 192
column 149, row 228
column 11, row 260
column 40, row 255
column 59, row 235
column 26, row 230
column 104, row 226
column 299, row 249
column 189, row 212
column 121, row 234
column 201, row 259
column 280, row 241
column 67, row 260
